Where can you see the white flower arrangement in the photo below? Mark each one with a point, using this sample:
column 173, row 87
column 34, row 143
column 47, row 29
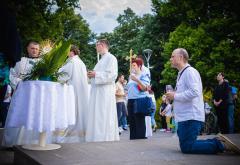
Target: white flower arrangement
column 45, row 47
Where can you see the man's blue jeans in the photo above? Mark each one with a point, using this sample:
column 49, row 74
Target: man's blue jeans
column 231, row 118
column 153, row 122
column 188, row 132
column 121, row 110
column 123, row 121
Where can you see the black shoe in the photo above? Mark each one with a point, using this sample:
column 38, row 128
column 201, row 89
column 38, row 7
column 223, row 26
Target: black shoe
column 154, row 128
column 125, row 129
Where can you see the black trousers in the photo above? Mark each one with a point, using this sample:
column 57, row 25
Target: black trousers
column 137, row 122
column 3, row 112
column 163, row 122
column 222, row 119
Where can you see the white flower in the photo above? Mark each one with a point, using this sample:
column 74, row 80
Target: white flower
column 45, row 50
column 46, row 46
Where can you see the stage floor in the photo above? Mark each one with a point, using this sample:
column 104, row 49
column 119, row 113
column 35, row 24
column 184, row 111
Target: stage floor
column 161, row 149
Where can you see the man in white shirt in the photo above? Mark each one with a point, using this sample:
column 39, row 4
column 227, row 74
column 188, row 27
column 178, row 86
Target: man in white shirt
column 25, row 65
column 102, row 115
column 189, row 110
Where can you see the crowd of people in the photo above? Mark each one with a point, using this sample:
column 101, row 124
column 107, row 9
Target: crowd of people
column 109, row 104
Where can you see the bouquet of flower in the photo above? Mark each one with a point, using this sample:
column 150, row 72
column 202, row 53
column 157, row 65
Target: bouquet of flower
column 45, row 47
column 47, row 68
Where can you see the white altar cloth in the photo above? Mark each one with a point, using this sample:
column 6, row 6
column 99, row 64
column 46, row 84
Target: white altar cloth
column 42, row 106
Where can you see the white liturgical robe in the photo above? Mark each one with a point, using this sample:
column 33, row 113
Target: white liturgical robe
column 102, row 116
column 20, row 70
column 75, row 73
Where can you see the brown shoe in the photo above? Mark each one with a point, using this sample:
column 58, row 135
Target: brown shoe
column 228, row 144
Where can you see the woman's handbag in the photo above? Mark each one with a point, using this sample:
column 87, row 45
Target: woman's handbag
column 143, row 106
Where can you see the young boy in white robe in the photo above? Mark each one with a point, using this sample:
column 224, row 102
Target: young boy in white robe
column 102, row 119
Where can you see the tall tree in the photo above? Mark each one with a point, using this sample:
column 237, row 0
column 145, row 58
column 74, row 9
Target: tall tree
column 124, row 37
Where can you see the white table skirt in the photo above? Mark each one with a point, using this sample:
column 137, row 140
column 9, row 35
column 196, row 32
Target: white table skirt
column 42, row 106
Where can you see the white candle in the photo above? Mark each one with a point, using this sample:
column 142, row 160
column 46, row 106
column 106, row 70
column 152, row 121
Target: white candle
column 130, row 60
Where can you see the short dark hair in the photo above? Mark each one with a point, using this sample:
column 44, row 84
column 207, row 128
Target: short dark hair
column 104, row 41
column 221, row 73
column 75, row 50
column 120, row 75
column 33, row 42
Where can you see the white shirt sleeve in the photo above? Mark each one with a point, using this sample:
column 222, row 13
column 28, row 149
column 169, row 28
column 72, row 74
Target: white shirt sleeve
column 190, row 86
column 65, row 72
column 7, row 97
column 109, row 74
column 14, row 76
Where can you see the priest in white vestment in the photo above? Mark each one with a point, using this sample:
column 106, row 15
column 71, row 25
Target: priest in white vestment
column 74, row 72
column 25, row 65
column 102, row 116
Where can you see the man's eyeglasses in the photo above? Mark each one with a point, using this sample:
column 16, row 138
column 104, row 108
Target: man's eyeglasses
column 98, row 44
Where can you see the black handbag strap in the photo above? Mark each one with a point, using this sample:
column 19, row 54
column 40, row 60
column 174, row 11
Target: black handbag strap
column 182, row 73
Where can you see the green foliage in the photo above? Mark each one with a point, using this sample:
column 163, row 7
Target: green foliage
column 50, row 63
column 206, row 54
column 195, row 41
column 169, row 75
